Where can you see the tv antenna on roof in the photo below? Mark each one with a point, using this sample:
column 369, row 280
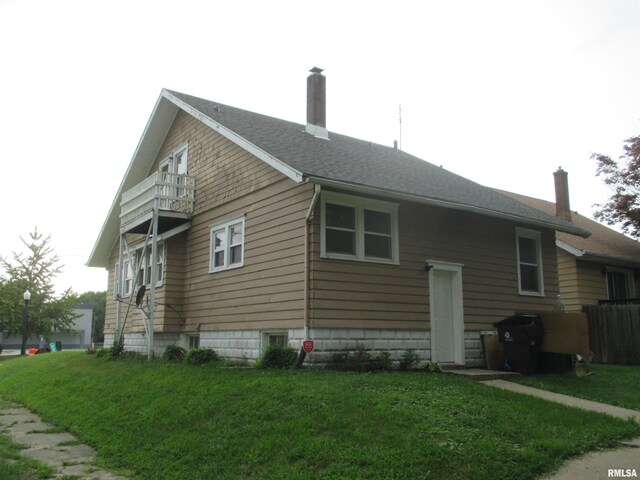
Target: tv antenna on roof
column 400, row 125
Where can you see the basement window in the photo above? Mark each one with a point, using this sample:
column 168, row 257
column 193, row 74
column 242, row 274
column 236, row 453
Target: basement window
column 529, row 254
column 274, row 338
column 355, row 228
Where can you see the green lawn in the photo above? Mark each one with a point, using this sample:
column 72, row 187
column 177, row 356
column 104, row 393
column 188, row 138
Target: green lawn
column 613, row 384
column 173, row 421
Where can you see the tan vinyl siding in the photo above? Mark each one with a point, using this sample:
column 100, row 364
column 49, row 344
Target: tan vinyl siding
column 110, row 306
column 359, row 294
column 223, row 170
column 174, row 276
column 267, row 291
column 568, row 277
column 592, row 283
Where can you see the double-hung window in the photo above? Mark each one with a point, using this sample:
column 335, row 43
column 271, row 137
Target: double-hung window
column 127, row 278
column 227, row 245
column 144, row 271
column 355, row 228
column 529, row 254
column 144, row 275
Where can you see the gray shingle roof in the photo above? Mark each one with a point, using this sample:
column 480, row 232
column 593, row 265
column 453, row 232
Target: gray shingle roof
column 604, row 241
column 363, row 164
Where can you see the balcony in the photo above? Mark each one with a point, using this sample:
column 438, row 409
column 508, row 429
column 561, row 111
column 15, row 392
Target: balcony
column 172, row 195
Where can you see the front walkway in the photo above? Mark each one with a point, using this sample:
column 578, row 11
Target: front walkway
column 46, row 444
column 621, row 462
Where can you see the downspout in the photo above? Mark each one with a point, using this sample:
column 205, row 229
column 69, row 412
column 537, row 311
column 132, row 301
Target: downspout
column 307, row 271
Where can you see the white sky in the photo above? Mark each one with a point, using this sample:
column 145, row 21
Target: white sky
column 502, row 92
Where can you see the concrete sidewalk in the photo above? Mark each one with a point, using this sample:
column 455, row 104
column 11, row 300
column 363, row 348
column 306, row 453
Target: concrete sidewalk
column 619, row 463
column 59, row 450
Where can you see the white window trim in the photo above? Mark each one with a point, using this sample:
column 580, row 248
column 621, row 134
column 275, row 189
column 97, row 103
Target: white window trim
column 117, row 280
column 225, row 226
column 537, row 237
column 168, row 161
column 126, row 270
column 137, row 250
column 360, row 204
column 147, row 268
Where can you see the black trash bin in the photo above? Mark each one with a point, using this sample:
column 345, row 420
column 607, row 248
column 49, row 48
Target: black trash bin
column 521, row 336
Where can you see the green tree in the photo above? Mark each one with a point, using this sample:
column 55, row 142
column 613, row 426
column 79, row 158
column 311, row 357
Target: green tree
column 623, row 208
column 99, row 301
column 34, row 271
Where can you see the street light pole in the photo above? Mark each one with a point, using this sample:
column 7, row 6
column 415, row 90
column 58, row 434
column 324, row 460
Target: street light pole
column 25, row 322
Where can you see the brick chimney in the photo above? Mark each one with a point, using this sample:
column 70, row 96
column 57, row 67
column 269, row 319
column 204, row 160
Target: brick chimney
column 317, row 104
column 563, row 210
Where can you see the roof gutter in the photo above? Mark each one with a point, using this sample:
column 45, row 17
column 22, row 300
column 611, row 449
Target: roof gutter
column 599, row 257
column 445, row 204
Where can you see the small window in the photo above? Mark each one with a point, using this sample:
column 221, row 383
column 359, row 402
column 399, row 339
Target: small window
column 127, row 280
column 529, row 254
column 355, row 228
column 227, row 246
column 619, row 285
column 194, row 341
column 144, row 276
column 278, row 339
column 117, row 281
column 176, row 162
column 274, row 338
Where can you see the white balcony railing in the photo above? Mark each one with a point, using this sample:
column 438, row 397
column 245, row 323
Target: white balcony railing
column 172, row 192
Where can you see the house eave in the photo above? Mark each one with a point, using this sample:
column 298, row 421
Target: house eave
column 149, row 145
column 369, row 190
column 595, row 257
column 237, row 139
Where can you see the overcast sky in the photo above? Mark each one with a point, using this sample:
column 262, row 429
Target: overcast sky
column 501, row 92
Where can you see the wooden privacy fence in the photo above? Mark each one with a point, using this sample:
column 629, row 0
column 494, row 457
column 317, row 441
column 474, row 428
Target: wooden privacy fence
column 614, row 333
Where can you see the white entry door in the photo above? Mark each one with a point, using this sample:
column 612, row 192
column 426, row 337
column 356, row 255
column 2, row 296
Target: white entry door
column 447, row 322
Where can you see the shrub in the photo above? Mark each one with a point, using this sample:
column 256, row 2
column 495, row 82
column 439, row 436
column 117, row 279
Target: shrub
column 409, row 359
column 174, row 353
column 200, row 356
column 383, row 361
column 433, row 367
column 102, row 352
column 361, row 360
column 277, row 356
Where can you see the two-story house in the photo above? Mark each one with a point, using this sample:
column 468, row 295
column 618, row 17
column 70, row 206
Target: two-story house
column 248, row 230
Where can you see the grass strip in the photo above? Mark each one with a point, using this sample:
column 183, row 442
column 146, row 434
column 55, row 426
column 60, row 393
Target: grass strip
column 613, row 384
column 173, row 421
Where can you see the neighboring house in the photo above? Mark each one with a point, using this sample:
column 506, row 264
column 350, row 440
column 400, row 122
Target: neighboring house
column 249, row 230
column 79, row 337
column 602, row 267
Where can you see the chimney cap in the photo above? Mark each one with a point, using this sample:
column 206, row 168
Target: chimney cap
column 316, row 70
